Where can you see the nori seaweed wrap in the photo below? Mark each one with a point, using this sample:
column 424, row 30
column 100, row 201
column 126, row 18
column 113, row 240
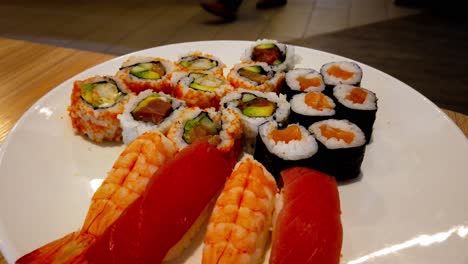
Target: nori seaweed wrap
column 341, row 148
column 311, row 107
column 358, row 105
column 281, row 148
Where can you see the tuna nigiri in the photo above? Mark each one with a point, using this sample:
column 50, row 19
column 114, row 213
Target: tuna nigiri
column 153, row 228
column 308, row 226
column 239, row 225
column 124, row 184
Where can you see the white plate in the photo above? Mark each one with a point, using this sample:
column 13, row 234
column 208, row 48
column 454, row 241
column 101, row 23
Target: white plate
column 409, row 207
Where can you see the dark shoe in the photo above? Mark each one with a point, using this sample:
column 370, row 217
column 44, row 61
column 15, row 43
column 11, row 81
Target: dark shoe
column 265, row 4
column 219, row 9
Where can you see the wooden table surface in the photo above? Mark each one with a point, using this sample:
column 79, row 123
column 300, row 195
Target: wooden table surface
column 30, row 70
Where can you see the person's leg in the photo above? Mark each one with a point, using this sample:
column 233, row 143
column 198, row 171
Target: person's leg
column 223, row 8
column 265, row 4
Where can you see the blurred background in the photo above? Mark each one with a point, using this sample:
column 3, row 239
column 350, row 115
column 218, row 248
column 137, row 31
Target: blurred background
column 422, row 43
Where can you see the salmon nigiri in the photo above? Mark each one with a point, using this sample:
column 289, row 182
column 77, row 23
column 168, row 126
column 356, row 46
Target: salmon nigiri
column 239, row 226
column 308, row 225
column 160, row 224
column 124, row 184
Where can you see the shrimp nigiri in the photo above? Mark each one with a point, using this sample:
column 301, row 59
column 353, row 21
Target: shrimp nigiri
column 124, row 184
column 238, row 229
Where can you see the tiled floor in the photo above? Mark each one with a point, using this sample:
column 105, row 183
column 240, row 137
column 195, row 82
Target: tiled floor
column 122, row 26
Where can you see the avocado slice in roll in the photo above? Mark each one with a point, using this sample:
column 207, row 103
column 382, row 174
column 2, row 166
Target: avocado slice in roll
column 200, row 127
column 148, row 70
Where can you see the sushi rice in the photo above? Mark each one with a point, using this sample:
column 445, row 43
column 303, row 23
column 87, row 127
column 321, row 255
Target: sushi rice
column 341, row 72
column 334, row 143
column 137, row 84
column 293, row 83
column 98, row 122
column 273, row 84
column 132, row 128
column 227, row 123
column 251, row 124
column 287, row 50
column 198, row 61
column 304, row 148
column 343, row 90
column 299, row 106
column 212, row 88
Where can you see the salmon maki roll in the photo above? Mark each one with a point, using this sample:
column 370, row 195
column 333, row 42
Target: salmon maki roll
column 142, row 73
column 124, row 184
column 238, row 230
column 308, row 225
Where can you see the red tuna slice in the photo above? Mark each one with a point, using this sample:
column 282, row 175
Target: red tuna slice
column 308, row 228
column 174, row 199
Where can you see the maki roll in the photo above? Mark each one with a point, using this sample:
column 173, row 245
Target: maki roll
column 202, row 89
column 222, row 129
column 358, row 105
column 95, row 104
column 148, row 111
column 255, row 108
column 311, row 107
column 257, row 76
column 279, row 56
column 142, row 73
column 341, row 72
column 198, row 61
column 281, row 148
column 341, row 148
column 303, row 80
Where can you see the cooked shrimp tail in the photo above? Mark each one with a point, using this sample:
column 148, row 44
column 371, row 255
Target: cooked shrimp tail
column 68, row 249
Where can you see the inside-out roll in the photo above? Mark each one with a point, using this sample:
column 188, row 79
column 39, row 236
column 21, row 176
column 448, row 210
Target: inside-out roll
column 95, row 104
column 221, row 128
column 256, row 108
column 149, row 111
column 142, row 73
column 279, row 56
column 201, row 89
column 257, row 76
column 198, row 61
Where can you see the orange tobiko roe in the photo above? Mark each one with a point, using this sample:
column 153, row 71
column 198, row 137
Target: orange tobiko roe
column 357, row 95
column 317, row 101
column 338, row 72
column 305, row 83
column 292, row 132
column 332, row 132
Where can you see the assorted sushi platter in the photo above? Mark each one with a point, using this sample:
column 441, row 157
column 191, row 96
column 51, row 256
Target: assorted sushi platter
column 191, row 153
